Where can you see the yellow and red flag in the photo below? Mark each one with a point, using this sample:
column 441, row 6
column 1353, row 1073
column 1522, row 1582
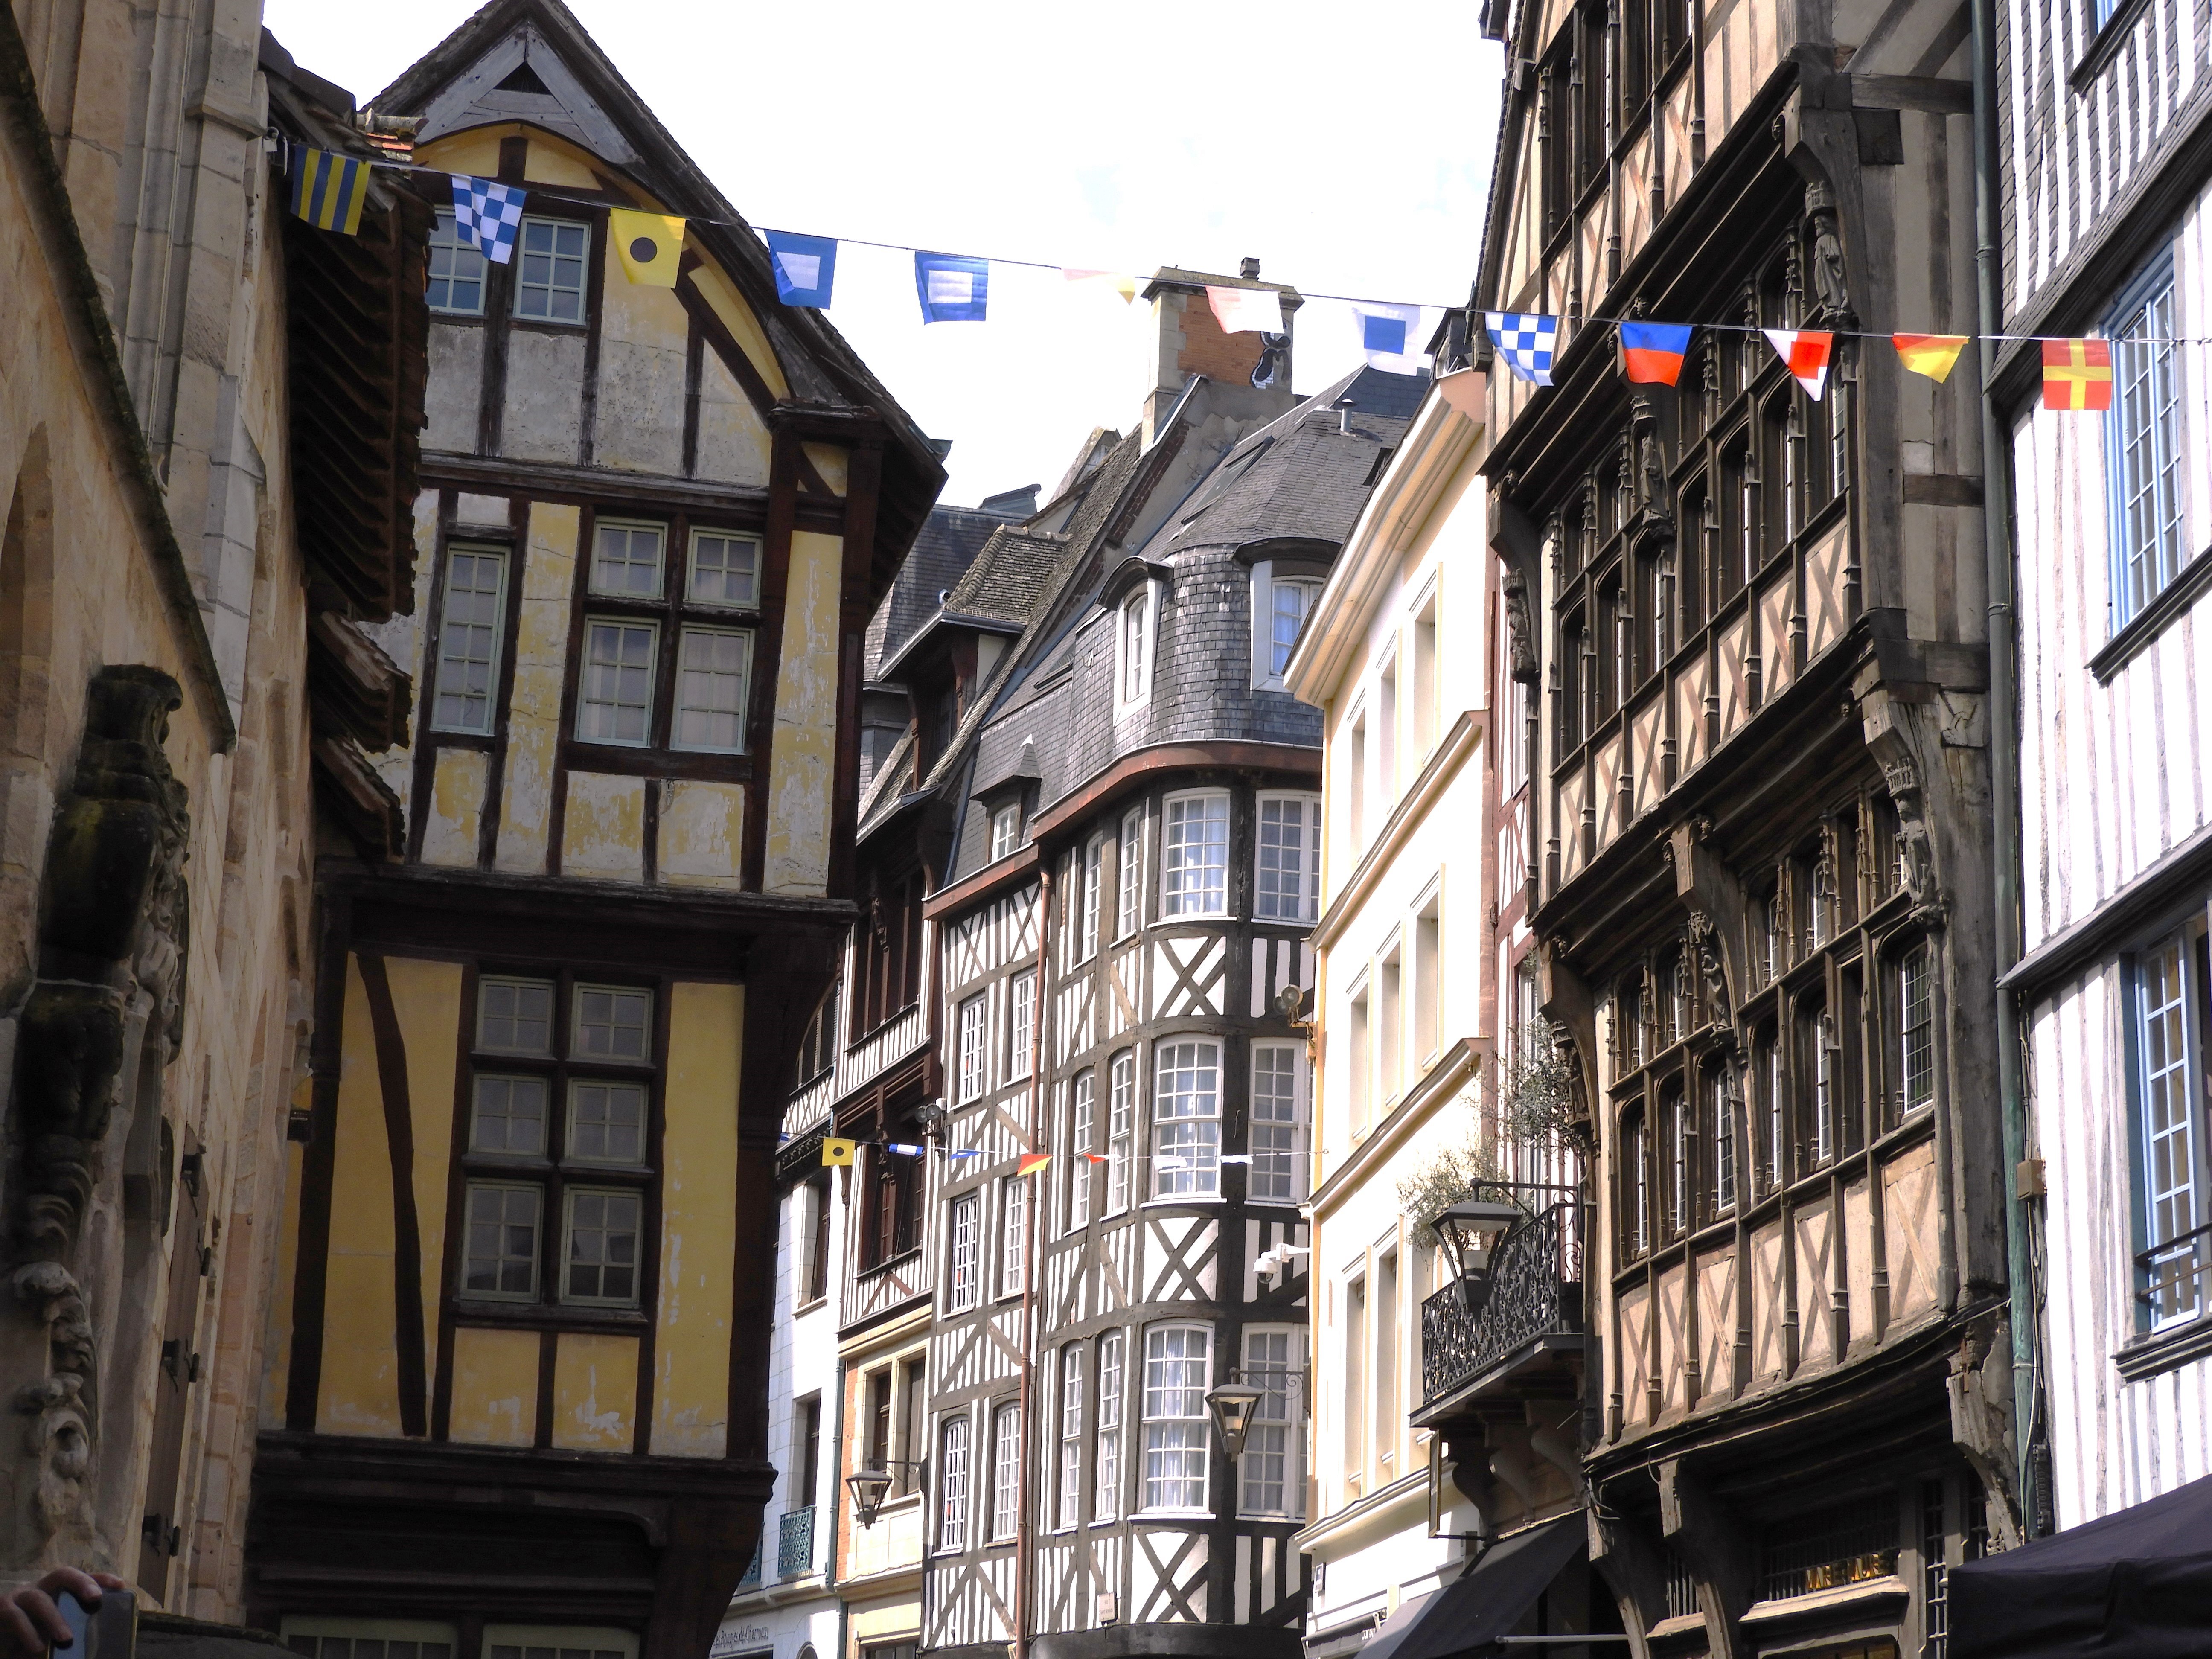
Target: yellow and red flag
column 1032, row 1162
column 2077, row 375
column 1931, row 354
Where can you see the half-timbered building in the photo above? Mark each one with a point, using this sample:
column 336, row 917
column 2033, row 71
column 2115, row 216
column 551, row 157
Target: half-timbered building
column 1759, row 863
column 519, row 1393
column 2106, row 183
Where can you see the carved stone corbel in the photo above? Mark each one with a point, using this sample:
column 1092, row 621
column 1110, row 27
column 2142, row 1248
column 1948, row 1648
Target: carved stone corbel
column 1714, row 895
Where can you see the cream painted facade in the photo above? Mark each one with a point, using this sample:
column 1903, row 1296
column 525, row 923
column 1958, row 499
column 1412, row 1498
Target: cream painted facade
column 1401, row 655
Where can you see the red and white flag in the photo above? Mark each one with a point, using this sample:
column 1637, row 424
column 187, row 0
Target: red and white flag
column 1245, row 310
column 1806, row 353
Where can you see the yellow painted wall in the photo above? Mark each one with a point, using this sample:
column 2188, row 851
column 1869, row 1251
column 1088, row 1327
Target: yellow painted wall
column 457, row 797
column 360, row 1383
column 595, row 1392
column 803, row 761
column 702, row 834
column 698, row 1218
column 830, row 461
column 494, row 1387
column 602, row 829
column 644, row 333
column 425, row 999
column 733, row 441
column 541, row 650
column 722, row 294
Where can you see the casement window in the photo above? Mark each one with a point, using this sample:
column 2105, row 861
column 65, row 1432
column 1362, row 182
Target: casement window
column 725, row 569
column 1013, row 1233
column 952, row 1485
column 807, row 1451
column 1005, row 830
column 1278, row 1113
column 1280, row 605
column 1082, row 1129
column 1720, row 1115
column 1636, row 1185
column 1021, row 1024
column 1187, row 1118
column 457, row 271
column 2150, row 539
column 1094, row 865
column 551, row 258
column 1269, row 1481
column 1067, row 1508
column 816, row 1278
column 1005, row 1471
column 913, row 1425
column 1106, row 1487
column 626, row 559
column 532, row 1234
column 1818, row 1081
column 1674, row 1150
column 1771, row 1095
column 1132, row 651
column 370, row 1639
column 615, row 704
column 1178, row 1365
column 890, row 1210
column 469, row 624
column 2172, row 1016
column 973, row 1024
column 1194, row 856
column 1129, row 908
column 1120, row 1130
column 1915, row 1021
column 713, row 667
column 1286, row 885
column 965, row 1269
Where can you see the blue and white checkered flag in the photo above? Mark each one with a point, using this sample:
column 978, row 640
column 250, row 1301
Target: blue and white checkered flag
column 1525, row 342
column 486, row 212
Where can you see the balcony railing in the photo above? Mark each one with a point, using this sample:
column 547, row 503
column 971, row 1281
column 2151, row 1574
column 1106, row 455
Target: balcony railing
column 1536, row 1291
column 794, row 1543
column 751, row 1580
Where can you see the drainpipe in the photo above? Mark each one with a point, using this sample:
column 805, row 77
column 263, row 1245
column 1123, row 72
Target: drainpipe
column 1032, row 1201
column 2004, row 762
column 836, row 1504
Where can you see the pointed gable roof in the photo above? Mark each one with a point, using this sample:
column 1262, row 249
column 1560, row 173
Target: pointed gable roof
column 532, row 61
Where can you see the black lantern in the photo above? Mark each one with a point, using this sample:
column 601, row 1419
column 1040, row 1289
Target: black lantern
column 1232, row 1405
column 868, row 1487
column 1470, row 1232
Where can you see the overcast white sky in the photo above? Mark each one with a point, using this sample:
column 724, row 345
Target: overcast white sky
column 1347, row 147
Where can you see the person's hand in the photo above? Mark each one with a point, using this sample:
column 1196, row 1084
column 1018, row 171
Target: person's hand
column 30, row 1623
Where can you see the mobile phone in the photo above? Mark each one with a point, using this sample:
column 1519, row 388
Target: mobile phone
column 107, row 1629
column 79, row 1619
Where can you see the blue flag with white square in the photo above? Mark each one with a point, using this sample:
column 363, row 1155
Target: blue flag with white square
column 805, row 267
column 1393, row 338
column 1526, row 342
column 952, row 288
column 486, row 214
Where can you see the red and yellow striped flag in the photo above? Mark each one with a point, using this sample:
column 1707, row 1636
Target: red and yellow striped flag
column 2077, row 375
column 1032, row 1162
column 1931, row 354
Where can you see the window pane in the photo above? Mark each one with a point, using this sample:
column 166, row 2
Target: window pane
column 1082, row 1126
column 1005, row 1470
column 1068, row 1510
column 1129, row 911
column 509, row 1117
column 626, row 561
column 603, row 1247
column 973, row 1057
column 549, row 270
column 502, row 1258
column 713, row 667
column 612, row 1024
column 953, row 1487
column 606, row 1122
column 1187, row 1119
column 1107, row 1487
column 1289, row 885
column 966, row 1254
column 457, row 270
column 1268, row 1470
column 1014, row 1241
column 1292, row 601
column 1176, row 1431
column 1194, row 857
column 1022, row 1027
column 724, row 569
column 617, row 706
column 2173, row 1175
column 514, row 1016
column 1274, row 1122
column 2153, row 545
column 1918, row 1019
column 1121, row 1124
column 468, row 640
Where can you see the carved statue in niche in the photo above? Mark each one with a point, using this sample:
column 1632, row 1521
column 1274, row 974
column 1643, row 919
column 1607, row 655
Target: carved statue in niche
column 1520, row 641
column 1914, row 856
column 112, row 944
column 1705, row 942
column 1829, row 284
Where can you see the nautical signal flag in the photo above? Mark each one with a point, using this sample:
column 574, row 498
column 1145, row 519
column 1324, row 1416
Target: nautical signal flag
column 902, row 1148
column 952, row 288
column 835, row 1151
column 2077, row 375
column 1527, row 342
column 1931, row 354
column 650, row 245
column 487, row 213
column 1116, row 282
column 1651, row 353
column 1804, row 352
column 1245, row 310
column 328, row 189
column 805, row 267
column 1032, row 1162
column 1392, row 337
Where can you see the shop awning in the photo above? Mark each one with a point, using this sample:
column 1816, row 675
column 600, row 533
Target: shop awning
column 1467, row 1616
column 2137, row 1583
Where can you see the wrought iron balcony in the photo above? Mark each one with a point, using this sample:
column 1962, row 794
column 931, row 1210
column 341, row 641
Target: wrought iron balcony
column 794, row 1543
column 752, row 1578
column 1534, row 1291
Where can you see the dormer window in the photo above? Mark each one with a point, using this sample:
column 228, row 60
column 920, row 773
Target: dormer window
column 1133, row 667
column 1005, row 830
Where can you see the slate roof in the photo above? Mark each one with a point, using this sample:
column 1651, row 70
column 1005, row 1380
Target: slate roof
column 951, row 538
column 1010, row 576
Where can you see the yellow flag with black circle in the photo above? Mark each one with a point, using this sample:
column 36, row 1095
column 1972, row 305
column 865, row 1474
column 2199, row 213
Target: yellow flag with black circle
column 649, row 244
column 835, row 1151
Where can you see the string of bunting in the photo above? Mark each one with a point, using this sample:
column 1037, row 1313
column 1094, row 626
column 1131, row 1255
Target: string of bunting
column 837, row 1149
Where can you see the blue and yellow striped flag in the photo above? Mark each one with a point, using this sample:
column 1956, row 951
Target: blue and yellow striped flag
column 328, row 189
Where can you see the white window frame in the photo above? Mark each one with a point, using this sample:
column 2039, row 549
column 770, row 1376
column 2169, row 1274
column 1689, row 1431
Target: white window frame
column 581, row 1027
column 446, row 239
column 1021, row 1023
column 1068, row 1499
column 1081, row 1134
column 585, row 701
column 1094, row 866
column 1006, row 831
column 1013, row 1233
column 448, row 626
column 1266, row 1058
column 630, row 529
column 1129, row 875
column 2166, row 1094
column 1302, row 905
column 1916, row 1028
column 1177, row 1435
column 1267, row 671
column 972, row 1057
column 954, row 1438
column 1277, row 1423
column 488, row 984
column 537, row 1247
column 1120, row 1130
column 964, row 1255
column 684, row 670
column 582, row 291
column 1113, row 1391
column 1186, row 1143
column 571, row 1136
column 1005, row 1470
column 2145, row 443
column 1136, row 625
column 568, row 1202
column 729, row 538
column 1193, row 880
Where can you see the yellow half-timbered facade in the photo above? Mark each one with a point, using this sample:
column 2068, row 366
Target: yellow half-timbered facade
column 572, row 920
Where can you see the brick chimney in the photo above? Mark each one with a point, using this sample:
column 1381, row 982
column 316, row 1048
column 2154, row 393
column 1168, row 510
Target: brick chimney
column 1188, row 342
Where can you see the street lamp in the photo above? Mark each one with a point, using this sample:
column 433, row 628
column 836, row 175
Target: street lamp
column 1470, row 1232
column 869, row 1486
column 1232, row 1405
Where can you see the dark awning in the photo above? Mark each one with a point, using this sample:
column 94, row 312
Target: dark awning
column 1468, row 1615
column 2138, row 1583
